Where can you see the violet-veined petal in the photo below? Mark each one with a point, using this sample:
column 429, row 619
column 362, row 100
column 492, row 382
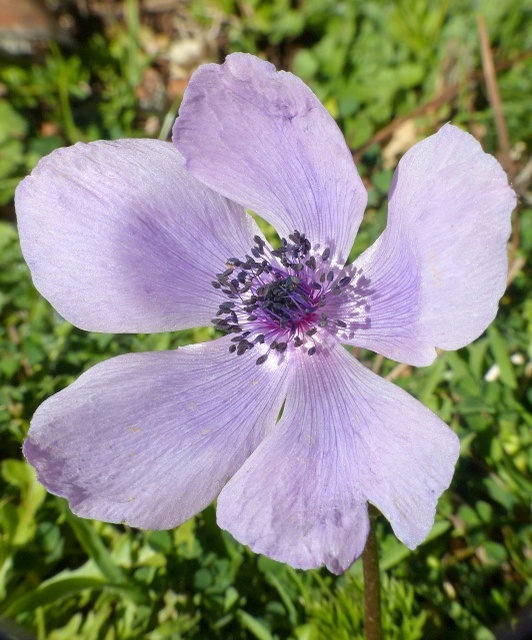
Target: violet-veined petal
column 150, row 439
column 438, row 271
column 264, row 140
column 120, row 238
column 346, row 436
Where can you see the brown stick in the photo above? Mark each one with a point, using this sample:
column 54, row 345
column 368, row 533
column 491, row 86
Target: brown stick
column 494, row 96
column 500, row 122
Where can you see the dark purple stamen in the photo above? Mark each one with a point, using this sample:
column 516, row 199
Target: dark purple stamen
column 275, row 296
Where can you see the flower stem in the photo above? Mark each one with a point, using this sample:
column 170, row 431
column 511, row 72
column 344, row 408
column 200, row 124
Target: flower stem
column 372, row 583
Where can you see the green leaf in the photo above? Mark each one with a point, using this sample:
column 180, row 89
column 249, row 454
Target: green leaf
column 56, row 589
column 254, row 626
column 94, row 547
column 499, row 349
column 21, row 475
column 12, row 125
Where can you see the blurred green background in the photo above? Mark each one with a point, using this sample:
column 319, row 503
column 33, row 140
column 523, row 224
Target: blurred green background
column 390, row 73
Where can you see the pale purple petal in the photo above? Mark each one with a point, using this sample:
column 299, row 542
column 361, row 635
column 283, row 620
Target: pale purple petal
column 150, row 439
column 120, row 238
column 438, row 271
column 346, row 436
column 264, row 140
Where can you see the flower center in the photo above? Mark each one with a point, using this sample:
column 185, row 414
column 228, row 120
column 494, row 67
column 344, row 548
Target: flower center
column 288, row 301
column 277, row 297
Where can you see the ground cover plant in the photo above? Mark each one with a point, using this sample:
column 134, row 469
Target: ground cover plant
column 390, row 73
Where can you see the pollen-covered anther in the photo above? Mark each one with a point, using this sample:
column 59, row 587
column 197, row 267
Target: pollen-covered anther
column 276, row 296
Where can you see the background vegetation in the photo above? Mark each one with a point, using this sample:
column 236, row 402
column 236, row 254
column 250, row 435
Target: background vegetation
column 390, row 73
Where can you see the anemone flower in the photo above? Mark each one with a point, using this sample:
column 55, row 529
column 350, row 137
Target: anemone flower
column 275, row 418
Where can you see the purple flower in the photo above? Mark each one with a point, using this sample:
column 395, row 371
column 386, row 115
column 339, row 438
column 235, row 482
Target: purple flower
column 142, row 235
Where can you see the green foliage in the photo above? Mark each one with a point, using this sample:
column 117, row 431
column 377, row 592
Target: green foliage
column 72, row 579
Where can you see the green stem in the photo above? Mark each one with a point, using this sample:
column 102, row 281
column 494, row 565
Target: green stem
column 372, row 583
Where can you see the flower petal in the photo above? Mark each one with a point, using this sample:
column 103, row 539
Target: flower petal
column 151, row 438
column 437, row 272
column 120, row 238
column 264, row 140
column 346, row 436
